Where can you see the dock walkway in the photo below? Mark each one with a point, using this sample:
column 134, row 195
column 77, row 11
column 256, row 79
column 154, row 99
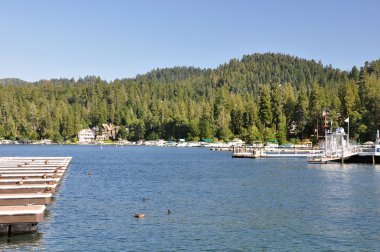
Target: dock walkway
column 262, row 152
column 352, row 153
column 27, row 185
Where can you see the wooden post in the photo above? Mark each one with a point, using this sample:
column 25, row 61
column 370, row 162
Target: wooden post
column 373, row 160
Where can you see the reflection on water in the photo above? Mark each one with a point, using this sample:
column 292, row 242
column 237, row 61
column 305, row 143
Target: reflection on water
column 21, row 241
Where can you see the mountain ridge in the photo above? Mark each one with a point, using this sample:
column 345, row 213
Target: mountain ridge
column 166, row 74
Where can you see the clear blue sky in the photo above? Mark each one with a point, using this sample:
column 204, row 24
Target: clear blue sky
column 45, row 39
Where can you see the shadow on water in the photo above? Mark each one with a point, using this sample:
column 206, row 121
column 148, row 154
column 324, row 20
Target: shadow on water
column 18, row 241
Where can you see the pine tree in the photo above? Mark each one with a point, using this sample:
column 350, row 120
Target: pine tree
column 354, row 74
column 265, row 110
column 205, row 130
column 301, row 111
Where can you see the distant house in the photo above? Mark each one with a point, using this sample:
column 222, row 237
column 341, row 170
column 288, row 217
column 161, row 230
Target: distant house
column 109, row 131
column 86, row 136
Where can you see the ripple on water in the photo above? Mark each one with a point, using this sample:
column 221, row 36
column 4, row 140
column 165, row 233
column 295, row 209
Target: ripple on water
column 217, row 203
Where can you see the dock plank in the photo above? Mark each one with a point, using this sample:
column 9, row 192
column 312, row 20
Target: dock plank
column 15, row 199
column 21, row 214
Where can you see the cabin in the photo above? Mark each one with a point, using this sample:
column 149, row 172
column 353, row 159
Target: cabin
column 109, row 132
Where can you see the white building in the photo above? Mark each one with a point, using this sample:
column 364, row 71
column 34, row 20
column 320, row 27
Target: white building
column 86, row 136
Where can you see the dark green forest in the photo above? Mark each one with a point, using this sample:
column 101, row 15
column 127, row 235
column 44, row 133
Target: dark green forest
column 258, row 97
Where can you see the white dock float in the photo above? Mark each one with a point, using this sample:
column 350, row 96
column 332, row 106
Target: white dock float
column 30, row 171
column 15, row 199
column 20, row 219
column 30, row 175
column 33, row 188
column 29, row 167
column 26, row 180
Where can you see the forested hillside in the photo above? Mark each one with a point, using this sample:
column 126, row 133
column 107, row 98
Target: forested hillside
column 258, row 97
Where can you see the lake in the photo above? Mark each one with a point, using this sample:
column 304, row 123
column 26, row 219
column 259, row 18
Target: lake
column 217, row 203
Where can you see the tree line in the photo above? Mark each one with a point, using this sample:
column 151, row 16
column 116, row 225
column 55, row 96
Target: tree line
column 257, row 98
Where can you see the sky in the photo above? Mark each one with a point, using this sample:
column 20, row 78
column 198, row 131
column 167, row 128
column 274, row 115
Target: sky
column 44, row 39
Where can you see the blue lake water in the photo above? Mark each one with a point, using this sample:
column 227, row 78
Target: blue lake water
column 217, row 203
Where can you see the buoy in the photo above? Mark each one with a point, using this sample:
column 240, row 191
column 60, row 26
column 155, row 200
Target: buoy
column 139, row 215
column 169, row 212
column 89, row 173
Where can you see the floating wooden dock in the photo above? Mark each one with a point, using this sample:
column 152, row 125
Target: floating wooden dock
column 20, row 219
column 337, row 148
column 360, row 154
column 34, row 188
column 29, row 181
column 16, row 199
column 27, row 185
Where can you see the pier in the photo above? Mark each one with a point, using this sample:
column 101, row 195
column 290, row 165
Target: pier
column 349, row 154
column 27, row 185
column 337, row 148
column 263, row 152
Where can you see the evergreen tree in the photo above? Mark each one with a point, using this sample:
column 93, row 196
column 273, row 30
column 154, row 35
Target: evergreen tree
column 265, row 111
column 354, row 74
column 232, row 100
column 205, row 130
column 301, row 111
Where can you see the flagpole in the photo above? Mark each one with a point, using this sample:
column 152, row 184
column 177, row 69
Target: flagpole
column 348, row 132
column 348, row 129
